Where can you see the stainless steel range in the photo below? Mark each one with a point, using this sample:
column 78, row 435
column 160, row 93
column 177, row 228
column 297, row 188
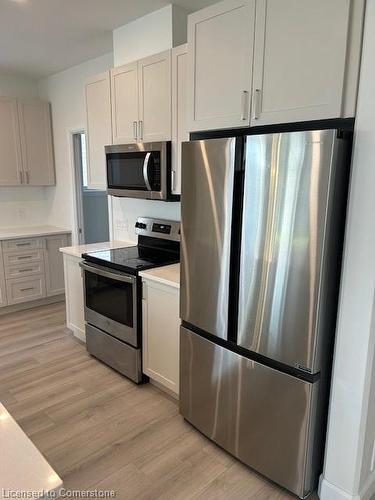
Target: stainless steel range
column 113, row 295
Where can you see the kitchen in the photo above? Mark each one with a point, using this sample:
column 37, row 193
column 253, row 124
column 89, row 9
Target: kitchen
column 255, row 86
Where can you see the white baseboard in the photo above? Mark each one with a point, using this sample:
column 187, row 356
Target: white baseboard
column 77, row 332
column 328, row 491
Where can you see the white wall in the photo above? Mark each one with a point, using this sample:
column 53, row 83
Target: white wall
column 65, row 91
column 18, row 86
column 160, row 30
column 351, row 429
column 21, row 206
column 153, row 33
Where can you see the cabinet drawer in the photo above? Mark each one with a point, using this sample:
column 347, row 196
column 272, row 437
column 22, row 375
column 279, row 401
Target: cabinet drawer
column 24, row 257
column 25, row 269
column 22, row 244
column 25, row 289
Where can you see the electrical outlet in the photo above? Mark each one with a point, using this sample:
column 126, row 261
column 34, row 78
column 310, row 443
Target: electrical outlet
column 372, row 468
column 122, row 224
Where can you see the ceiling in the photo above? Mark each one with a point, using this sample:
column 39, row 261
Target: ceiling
column 41, row 37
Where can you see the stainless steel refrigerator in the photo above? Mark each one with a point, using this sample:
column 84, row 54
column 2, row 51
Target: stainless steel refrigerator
column 262, row 230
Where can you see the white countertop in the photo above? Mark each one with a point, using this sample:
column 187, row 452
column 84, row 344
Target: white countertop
column 168, row 275
column 9, row 233
column 22, row 466
column 78, row 250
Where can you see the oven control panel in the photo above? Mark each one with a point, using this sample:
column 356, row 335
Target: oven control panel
column 158, row 228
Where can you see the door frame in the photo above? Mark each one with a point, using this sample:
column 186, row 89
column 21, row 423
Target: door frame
column 76, row 178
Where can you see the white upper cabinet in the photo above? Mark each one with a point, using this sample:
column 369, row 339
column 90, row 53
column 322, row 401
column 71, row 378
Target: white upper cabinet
column 10, row 145
column 124, row 85
column 36, row 143
column 98, row 127
column 299, row 60
column 155, row 105
column 141, row 100
column 179, row 111
column 304, row 56
column 220, row 41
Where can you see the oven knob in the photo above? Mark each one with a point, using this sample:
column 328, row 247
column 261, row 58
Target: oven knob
column 140, row 225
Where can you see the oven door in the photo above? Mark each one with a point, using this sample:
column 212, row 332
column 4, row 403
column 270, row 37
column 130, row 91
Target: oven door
column 137, row 171
column 111, row 302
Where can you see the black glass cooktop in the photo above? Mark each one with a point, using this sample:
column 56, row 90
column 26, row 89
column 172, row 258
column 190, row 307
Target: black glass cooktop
column 133, row 259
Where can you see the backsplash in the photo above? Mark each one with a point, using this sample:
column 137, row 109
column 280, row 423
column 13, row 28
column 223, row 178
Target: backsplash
column 23, row 206
column 126, row 210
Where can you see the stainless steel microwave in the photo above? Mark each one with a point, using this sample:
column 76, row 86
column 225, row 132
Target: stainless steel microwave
column 141, row 170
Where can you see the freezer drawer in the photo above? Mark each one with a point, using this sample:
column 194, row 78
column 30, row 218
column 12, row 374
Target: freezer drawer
column 262, row 416
column 120, row 356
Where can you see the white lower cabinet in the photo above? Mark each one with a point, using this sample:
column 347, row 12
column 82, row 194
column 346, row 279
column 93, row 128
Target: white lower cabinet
column 3, row 295
column 25, row 289
column 161, row 334
column 31, row 269
column 74, row 296
column 53, row 260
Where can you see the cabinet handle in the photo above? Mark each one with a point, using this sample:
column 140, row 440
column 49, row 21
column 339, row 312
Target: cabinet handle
column 24, row 257
column 27, row 289
column 173, row 179
column 256, row 103
column 27, row 177
column 25, row 270
column 140, row 130
column 23, row 244
column 244, row 96
column 135, row 131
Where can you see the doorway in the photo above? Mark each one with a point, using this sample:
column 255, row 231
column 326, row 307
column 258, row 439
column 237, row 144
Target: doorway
column 91, row 204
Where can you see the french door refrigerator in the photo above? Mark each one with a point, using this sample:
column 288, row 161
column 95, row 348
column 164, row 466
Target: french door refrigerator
column 262, row 231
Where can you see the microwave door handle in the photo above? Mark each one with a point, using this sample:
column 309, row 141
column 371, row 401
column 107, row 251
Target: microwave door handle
column 145, row 171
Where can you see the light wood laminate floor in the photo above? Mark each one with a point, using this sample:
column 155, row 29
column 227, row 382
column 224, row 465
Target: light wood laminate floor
column 99, row 430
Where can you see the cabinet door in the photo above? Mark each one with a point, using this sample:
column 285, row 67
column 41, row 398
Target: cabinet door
column 155, row 100
column 98, row 127
column 300, row 52
column 161, row 339
column 10, row 146
column 74, row 296
column 124, row 95
column 3, row 297
column 36, row 142
column 54, row 267
column 220, row 55
column 179, row 112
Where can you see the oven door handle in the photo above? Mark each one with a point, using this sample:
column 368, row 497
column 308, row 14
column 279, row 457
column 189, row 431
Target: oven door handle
column 145, row 171
column 107, row 274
